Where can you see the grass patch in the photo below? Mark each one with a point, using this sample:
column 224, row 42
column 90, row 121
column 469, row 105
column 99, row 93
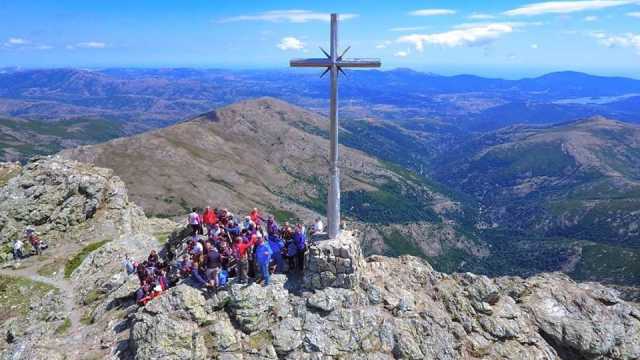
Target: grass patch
column 92, row 296
column 16, row 294
column 64, row 327
column 5, row 177
column 52, row 268
column 284, row 215
column 77, row 259
column 87, row 318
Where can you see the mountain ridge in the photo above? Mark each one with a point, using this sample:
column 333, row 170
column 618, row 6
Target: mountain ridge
column 267, row 153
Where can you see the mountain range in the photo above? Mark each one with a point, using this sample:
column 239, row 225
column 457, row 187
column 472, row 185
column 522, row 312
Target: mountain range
column 503, row 177
column 149, row 98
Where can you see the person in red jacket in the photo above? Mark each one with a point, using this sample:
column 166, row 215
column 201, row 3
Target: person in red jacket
column 209, row 218
column 241, row 249
column 255, row 216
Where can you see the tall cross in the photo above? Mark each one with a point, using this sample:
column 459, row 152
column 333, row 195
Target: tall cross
column 334, row 64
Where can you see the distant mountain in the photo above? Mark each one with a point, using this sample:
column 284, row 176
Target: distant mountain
column 273, row 155
column 151, row 98
column 21, row 139
column 578, row 180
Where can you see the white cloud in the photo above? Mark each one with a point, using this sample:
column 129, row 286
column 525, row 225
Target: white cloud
column 383, row 44
column 468, row 36
column 634, row 14
column 513, row 24
column 628, row 40
column 17, row 41
column 290, row 43
column 480, row 16
column 44, row 47
column 401, row 54
column 90, row 45
column 534, row 46
column 590, row 18
column 292, row 16
column 564, row 7
column 432, row 12
column 408, row 28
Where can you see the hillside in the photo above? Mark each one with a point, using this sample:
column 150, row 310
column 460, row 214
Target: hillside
column 21, row 138
column 577, row 180
column 269, row 154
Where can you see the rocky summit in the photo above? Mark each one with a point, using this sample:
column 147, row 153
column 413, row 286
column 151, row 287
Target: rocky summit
column 344, row 306
column 400, row 308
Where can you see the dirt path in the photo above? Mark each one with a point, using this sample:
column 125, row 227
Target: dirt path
column 29, row 269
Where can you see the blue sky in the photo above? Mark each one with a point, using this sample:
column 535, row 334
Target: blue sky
column 496, row 38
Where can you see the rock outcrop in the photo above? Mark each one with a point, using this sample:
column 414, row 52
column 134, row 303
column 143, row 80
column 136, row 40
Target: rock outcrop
column 398, row 308
column 57, row 196
column 71, row 205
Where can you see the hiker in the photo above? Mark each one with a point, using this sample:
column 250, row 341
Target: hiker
column 196, row 249
column 248, row 224
column 142, row 272
column 272, row 226
column 233, row 228
column 34, row 240
column 130, row 266
column 318, row 227
column 201, row 221
column 161, row 278
column 241, row 249
column 255, row 216
column 214, row 263
column 185, row 266
column 17, row 249
column 277, row 246
column 194, row 223
column 153, row 259
column 198, row 274
column 263, row 258
column 292, row 254
column 286, row 232
column 226, row 255
column 300, row 240
column 209, row 218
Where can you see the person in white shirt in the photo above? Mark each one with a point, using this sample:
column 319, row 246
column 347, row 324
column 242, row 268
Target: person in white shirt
column 17, row 249
column 318, row 226
column 194, row 223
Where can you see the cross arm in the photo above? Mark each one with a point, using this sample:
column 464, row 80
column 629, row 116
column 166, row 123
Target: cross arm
column 359, row 63
column 321, row 62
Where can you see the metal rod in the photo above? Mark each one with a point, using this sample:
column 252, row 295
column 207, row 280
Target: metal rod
column 333, row 201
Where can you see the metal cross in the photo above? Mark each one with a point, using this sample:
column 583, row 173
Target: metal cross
column 334, row 64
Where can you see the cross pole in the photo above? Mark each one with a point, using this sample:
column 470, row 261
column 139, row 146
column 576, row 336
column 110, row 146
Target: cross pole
column 334, row 64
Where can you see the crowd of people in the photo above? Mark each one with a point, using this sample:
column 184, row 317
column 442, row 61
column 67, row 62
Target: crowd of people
column 221, row 246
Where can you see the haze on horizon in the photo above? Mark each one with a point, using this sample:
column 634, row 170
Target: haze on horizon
column 509, row 39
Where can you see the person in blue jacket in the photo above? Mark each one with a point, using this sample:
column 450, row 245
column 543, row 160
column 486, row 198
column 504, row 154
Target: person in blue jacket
column 300, row 240
column 276, row 244
column 263, row 257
